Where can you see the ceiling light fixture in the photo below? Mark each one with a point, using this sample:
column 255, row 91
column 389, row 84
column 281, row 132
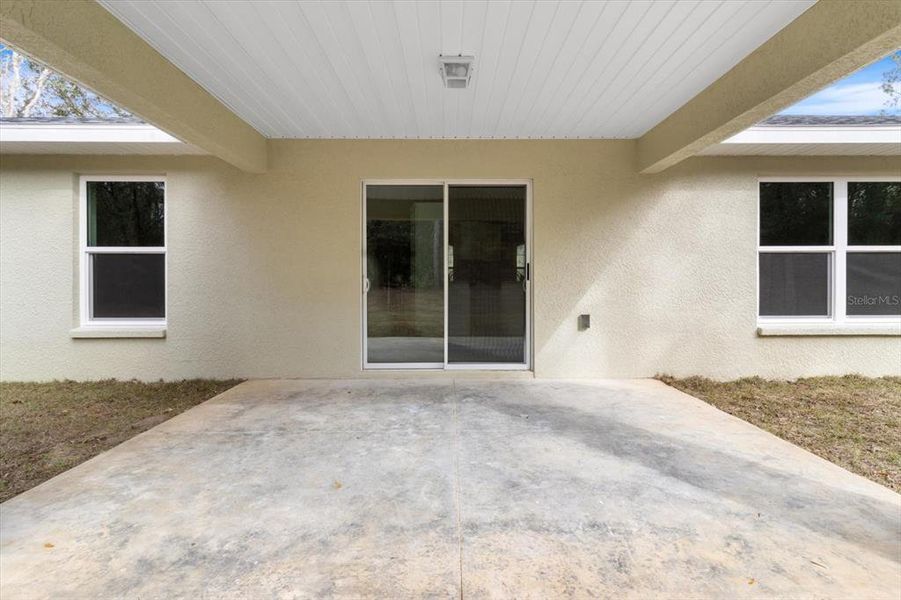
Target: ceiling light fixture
column 456, row 71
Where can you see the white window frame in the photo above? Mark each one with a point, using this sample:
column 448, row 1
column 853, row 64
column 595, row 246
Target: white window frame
column 838, row 253
column 87, row 321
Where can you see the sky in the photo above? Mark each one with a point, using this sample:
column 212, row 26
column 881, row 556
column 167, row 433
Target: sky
column 857, row 94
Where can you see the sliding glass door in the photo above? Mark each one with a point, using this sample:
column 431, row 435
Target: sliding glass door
column 446, row 275
column 404, row 275
column 487, row 287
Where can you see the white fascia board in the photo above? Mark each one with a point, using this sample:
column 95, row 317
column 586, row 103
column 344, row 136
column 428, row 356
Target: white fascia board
column 838, row 134
column 140, row 133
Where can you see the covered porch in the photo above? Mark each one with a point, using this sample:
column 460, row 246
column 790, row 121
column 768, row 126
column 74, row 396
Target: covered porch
column 463, row 487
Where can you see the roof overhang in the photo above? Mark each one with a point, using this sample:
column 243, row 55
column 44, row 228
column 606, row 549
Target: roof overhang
column 846, row 140
column 677, row 76
column 85, row 43
column 829, row 41
column 89, row 138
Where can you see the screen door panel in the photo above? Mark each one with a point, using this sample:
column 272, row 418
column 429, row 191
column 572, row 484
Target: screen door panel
column 405, row 273
column 486, row 256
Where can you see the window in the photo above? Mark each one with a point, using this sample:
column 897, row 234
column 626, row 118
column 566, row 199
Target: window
column 830, row 251
column 123, row 251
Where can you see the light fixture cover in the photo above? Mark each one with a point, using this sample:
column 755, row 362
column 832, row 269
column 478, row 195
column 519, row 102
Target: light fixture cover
column 456, row 71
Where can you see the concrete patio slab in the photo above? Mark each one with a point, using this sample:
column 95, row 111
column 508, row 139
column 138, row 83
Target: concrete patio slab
column 452, row 487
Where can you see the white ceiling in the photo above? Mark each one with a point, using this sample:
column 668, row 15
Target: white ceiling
column 356, row 69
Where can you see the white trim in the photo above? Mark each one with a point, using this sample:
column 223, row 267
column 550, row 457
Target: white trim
column 810, row 249
column 831, row 134
column 487, row 367
column 62, row 133
column 873, row 248
column 445, row 245
column 837, row 322
column 887, row 329
column 127, row 249
column 117, row 332
column 111, row 325
column 364, row 282
column 446, row 183
column 839, row 270
column 434, row 366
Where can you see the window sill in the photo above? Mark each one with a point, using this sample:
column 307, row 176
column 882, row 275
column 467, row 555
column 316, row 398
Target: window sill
column 118, row 332
column 877, row 329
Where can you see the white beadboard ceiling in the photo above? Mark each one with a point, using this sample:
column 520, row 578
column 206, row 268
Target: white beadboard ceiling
column 357, row 69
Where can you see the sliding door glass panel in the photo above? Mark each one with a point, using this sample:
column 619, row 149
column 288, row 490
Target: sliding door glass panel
column 404, row 266
column 486, row 311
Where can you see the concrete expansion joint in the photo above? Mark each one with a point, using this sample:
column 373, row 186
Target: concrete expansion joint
column 455, row 432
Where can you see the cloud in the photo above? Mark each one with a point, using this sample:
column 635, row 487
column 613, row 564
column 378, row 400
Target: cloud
column 844, row 99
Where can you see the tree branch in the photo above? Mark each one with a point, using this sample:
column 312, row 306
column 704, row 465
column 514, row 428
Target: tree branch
column 15, row 82
column 36, row 96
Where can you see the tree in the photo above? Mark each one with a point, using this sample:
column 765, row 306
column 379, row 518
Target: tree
column 31, row 89
column 891, row 83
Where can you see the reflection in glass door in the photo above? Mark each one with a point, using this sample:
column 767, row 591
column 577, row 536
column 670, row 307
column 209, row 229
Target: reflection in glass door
column 404, row 275
column 487, row 275
column 458, row 303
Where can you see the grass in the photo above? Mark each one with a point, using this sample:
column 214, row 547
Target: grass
column 47, row 428
column 852, row 421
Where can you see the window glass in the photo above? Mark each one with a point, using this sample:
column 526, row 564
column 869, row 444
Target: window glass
column 404, row 261
column 486, row 298
column 794, row 284
column 128, row 285
column 125, row 213
column 874, row 213
column 796, row 214
column 874, row 283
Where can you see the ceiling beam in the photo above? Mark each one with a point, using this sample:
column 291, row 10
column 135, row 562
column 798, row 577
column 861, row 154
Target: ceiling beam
column 84, row 42
column 830, row 40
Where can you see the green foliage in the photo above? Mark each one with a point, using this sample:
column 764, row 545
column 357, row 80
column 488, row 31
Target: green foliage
column 891, row 84
column 31, row 89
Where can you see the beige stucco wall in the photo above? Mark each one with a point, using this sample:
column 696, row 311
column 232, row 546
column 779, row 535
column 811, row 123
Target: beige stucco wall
column 264, row 269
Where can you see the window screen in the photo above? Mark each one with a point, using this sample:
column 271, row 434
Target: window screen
column 128, row 285
column 794, row 284
column 874, row 283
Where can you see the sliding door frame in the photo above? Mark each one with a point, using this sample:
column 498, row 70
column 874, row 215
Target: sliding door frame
column 448, row 183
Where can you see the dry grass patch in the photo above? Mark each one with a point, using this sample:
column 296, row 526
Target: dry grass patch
column 852, row 421
column 47, row 428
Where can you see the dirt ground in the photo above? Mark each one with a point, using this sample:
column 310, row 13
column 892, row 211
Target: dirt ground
column 47, row 428
column 852, row 421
